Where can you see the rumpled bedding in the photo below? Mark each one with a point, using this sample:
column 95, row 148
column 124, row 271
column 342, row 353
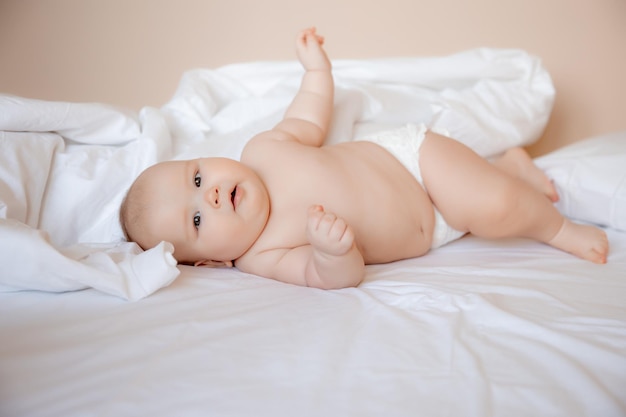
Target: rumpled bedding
column 65, row 167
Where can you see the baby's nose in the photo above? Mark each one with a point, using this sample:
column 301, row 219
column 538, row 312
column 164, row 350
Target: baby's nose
column 212, row 196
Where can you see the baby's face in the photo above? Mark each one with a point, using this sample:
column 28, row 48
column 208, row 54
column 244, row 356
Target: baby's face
column 210, row 209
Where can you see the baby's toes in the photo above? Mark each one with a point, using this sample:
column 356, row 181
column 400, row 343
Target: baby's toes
column 600, row 250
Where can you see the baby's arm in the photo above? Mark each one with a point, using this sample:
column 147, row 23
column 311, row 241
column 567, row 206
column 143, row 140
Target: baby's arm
column 308, row 116
column 330, row 260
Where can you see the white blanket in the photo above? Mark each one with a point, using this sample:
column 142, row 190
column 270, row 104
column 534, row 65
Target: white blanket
column 65, row 167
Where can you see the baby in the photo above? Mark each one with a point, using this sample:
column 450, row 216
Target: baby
column 299, row 212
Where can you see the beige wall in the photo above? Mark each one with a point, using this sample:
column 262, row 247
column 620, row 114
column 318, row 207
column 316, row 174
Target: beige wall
column 132, row 52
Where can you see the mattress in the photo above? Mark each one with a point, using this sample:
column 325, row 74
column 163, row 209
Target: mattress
column 92, row 325
column 476, row 328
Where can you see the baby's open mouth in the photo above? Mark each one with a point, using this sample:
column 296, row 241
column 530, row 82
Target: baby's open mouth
column 232, row 196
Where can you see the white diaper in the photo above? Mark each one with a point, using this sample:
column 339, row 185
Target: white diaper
column 404, row 143
column 443, row 233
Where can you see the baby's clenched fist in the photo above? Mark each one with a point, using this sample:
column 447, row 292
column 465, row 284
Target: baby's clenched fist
column 328, row 233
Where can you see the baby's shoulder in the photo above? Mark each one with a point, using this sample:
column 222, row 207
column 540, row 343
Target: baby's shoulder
column 272, row 146
column 269, row 139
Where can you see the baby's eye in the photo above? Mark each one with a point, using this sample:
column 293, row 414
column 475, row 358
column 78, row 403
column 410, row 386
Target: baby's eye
column 197, row 179
column 196, row 220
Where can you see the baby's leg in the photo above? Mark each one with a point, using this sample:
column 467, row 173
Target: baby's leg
column 517, row 163
column 476, row 196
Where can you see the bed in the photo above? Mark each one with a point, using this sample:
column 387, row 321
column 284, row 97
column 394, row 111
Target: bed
column 92, row 325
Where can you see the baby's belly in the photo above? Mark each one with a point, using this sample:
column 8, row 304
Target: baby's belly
column 395, row 219
column 406, row 237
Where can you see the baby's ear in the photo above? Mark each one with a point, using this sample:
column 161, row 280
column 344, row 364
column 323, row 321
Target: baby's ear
column 213, row 264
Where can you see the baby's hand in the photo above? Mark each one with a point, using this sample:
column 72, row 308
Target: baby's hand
column 310, row 51
column 328, row 233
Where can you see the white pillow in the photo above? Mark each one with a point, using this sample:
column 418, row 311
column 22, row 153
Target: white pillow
column 26, row 159
column 92, row 123
column 590, row 177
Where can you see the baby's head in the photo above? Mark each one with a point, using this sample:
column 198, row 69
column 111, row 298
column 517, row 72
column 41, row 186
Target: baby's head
column 211, row 209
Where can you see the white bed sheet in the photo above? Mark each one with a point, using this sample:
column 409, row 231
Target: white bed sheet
column 474, row 329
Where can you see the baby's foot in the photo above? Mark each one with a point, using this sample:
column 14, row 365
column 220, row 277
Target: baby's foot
column 517, row 162
column 586, row 242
